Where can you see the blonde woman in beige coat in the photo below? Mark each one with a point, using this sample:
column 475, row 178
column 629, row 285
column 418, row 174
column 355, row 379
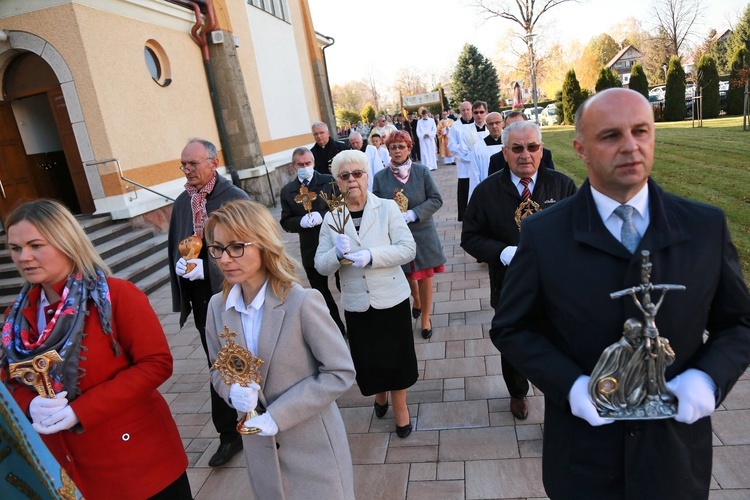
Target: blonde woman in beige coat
column 302, row 449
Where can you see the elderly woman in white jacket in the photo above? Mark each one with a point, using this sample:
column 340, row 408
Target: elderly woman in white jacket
column 374, row 290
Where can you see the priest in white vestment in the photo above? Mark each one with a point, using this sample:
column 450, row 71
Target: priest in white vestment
column 426, row 132
column 483, row 149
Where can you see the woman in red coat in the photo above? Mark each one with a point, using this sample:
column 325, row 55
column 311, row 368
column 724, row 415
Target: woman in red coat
column 108, row 426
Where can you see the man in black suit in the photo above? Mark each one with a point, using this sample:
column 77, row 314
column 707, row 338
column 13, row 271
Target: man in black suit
column 490, row 230
column 556, row 316
column 497, row 161
column 296, row 219
column 325, row 148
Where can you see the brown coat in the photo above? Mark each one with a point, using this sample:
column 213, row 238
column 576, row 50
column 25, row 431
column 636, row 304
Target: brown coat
column 307, row 366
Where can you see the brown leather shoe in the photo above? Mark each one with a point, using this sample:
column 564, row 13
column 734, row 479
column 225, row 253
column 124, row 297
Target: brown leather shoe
column 519, row 407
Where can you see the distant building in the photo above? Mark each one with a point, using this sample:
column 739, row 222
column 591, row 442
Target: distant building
column 624, row 61
column 85, row 81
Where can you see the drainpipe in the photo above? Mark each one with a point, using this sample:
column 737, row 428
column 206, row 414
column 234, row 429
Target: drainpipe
column 328, row 83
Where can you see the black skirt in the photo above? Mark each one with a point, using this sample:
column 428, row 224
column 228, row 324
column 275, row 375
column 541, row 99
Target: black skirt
column 382, row 346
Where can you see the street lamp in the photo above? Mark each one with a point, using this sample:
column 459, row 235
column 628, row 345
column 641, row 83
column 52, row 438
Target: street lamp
column 664, row 67
column 530, row 44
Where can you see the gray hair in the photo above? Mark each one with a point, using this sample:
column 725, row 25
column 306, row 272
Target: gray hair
column 210, row 148
column 299, row 152
column 520, row 127
column 319, row 124
column 350, row 156
column 354, row 135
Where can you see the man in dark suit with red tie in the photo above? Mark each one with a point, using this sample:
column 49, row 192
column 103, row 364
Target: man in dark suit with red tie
column 490, row 230
column 556, row 316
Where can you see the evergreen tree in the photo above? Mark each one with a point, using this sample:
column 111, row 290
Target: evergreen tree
column 735, row 95
column 607, row 79
column 571, row 97
column 740, row 37
column 475, row 79
column 708, row 82
column 559, row 106
column 674, row 106
column 368, row 114
column 638, row 80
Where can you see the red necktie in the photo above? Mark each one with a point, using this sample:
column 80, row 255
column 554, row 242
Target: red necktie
column 526, row 194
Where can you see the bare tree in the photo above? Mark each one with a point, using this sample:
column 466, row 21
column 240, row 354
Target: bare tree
column 409, row 81
column 678, row 19
column 372, row 86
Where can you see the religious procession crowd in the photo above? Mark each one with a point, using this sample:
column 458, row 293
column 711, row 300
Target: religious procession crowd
column 577, row 277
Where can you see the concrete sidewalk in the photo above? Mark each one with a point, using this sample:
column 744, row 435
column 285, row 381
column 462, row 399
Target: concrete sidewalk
column 466, row 443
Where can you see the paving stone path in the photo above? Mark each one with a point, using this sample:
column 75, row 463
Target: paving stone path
column 466, row 443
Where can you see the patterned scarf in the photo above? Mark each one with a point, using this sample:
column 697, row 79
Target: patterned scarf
column 63, row 333
column 198, row 204
column 401, row 172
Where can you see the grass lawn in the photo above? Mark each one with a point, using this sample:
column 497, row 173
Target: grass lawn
column 709, row 164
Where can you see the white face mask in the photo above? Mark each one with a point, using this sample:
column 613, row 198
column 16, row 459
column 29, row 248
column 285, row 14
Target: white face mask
column 305, row 173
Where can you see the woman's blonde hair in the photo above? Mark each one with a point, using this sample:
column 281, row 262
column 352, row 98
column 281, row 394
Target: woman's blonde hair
column 62, row 231
column 252, row 222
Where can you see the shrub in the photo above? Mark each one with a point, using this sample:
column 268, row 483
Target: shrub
column 674, row 106
column 708, row 82
column 638, row 80
column 571, row 97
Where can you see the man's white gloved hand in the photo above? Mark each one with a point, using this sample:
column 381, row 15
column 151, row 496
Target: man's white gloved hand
column 263, row 422
column 409, row 216
column 197, row 273
column 695, row 395
column 244, row 398
column 315, row 219
column 181, row 267
column 359, row 259
column 41, row 407
column 506, row 256
column 581, row 405
column 342, row 244
column 60, row 421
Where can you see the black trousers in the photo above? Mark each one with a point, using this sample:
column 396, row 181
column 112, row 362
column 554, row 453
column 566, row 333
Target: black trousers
column 462, row 195
column 223, row 416
column 178, row 490
column 320, row 283
column 517, row 384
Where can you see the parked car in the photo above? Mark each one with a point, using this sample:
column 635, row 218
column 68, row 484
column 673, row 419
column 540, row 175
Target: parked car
column 548, row 116
column 529, row 112
column 658, row 92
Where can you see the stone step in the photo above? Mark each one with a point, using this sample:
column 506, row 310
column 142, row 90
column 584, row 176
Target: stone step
column 144, row 267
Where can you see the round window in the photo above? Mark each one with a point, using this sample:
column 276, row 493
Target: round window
column 157, row 63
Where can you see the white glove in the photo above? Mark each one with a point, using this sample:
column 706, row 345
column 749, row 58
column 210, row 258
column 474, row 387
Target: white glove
column 342, row 244
column 41, row 407
column 197, row 273
column 263, row 422
column 244, row 398
column 507, row 255
column 181, row 267
column 581, row 405
column 359, row 259
column 60, row 421
column 409, row 216
column 695, row 395
column 316, row 219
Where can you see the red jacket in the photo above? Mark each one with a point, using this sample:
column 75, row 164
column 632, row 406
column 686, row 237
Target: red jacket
column 130, row 446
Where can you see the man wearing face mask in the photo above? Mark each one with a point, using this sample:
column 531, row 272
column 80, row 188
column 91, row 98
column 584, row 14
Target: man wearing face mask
column 296, row 219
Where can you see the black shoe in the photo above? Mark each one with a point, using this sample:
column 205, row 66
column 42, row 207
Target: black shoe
column 381, row 410
column 427, row 332
column 225, row 452
column 404, row 431
column 415, row 313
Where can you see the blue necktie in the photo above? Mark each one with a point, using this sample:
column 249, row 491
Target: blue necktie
column 629, row 237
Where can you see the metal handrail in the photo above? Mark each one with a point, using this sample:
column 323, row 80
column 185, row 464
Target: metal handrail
column 122, row 176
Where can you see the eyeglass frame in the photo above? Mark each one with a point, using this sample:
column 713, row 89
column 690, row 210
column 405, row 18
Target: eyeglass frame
column 526, row 147
column 192, row 166
column 399, row 146
column 357, row 174
column 241, row 246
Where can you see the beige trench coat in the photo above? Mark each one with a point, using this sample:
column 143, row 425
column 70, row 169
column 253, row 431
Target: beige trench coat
column 307, row 366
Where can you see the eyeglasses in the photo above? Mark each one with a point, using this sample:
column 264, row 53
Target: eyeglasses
column 192, row 165
column 235, row 250
column 394, row 147
column 479, row 111
column 356, row 174
column 531, row 148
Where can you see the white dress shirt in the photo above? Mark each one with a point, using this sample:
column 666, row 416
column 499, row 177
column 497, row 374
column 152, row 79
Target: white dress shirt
column 252, row 314
column 506, row 256
column 606, row 207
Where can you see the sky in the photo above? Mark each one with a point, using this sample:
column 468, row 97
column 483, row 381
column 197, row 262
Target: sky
column 378, row 37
